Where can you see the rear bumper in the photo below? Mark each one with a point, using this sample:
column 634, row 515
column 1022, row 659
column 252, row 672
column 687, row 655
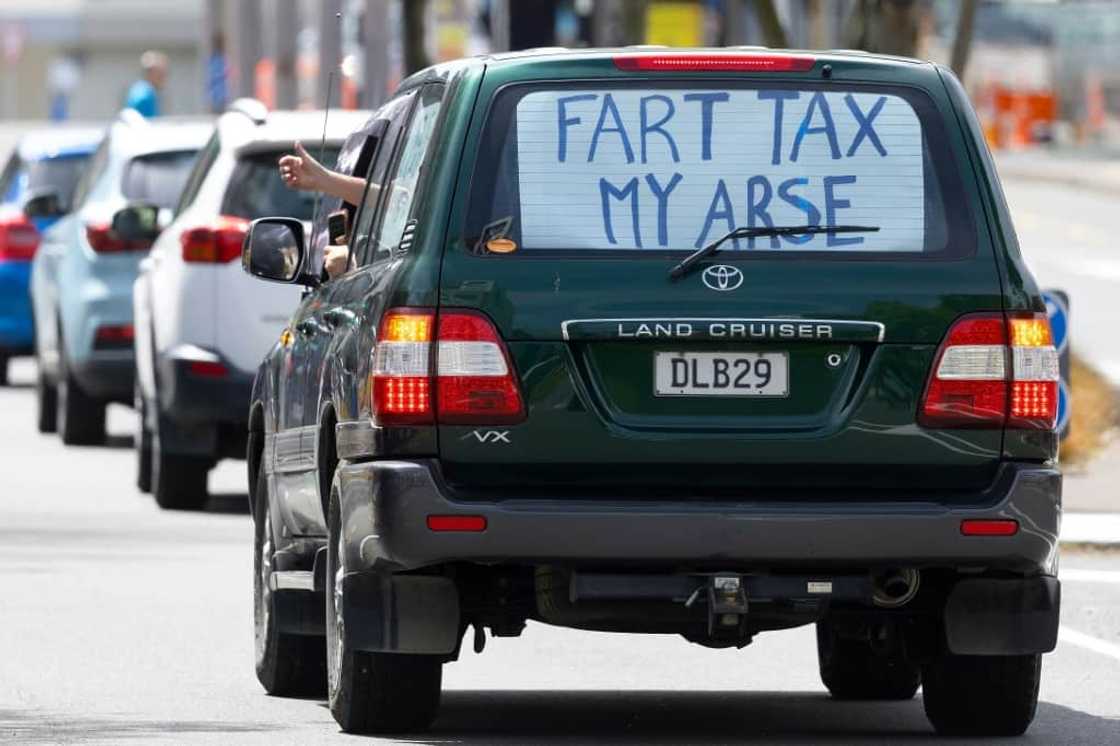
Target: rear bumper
column 385, row 505
column 189, row 398
column 106, row 377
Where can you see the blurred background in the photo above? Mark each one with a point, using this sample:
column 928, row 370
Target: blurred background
column 1039, row 71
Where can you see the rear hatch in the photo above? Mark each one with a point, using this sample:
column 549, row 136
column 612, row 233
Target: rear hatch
column 786, row 365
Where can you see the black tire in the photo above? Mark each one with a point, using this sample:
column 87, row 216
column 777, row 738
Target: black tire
column 178, row 481
column 855, row 670
column 3, row 370
column 46, row 403
column 143, row 445
column 981, row 695
column 286, row 664
column 373, row 692
column 81, row 417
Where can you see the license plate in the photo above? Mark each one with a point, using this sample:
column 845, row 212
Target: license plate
column 721, row 373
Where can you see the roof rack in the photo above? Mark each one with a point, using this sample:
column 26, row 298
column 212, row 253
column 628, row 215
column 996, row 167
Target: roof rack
column 250, row 107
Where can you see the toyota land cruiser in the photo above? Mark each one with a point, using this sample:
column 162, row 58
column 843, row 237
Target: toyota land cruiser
column 705, row 343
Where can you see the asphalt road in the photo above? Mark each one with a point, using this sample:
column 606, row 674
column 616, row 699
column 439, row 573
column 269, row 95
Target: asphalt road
column 122, row 623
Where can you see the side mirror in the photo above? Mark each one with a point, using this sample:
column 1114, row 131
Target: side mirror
column 44, row 203
column 137, row 224
column 274, row 249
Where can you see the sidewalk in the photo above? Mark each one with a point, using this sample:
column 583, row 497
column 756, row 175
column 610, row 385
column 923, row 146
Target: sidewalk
column 1095, row 171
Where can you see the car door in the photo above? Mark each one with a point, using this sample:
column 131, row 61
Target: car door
column 48, row 259
column 347, row 293
column 309, row 338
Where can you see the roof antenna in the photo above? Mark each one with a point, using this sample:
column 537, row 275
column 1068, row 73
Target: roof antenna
column 326, row 113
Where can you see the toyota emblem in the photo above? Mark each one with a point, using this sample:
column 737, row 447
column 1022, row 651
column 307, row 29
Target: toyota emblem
column 722, row 277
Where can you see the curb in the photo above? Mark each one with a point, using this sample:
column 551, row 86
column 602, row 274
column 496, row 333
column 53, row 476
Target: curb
column 1091, row 529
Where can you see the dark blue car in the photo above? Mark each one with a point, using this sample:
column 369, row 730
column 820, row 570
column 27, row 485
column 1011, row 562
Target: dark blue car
column 43, row 162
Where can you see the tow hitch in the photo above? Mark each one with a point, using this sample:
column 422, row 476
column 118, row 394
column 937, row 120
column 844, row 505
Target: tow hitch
column 727, row 606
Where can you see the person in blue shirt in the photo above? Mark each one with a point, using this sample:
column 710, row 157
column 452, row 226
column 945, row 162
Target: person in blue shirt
column 143, row 95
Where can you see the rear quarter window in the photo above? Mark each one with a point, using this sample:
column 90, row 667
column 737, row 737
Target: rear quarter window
column 157, row 178
column 671, row 167
column 256, row 190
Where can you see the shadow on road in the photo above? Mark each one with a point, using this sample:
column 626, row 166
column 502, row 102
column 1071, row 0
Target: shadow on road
column 37, row 727
column 118, row 441
column 518, row 717
column 228, row 502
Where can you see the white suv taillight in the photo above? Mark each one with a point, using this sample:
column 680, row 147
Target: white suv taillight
column 993, row 371
column 470, row 382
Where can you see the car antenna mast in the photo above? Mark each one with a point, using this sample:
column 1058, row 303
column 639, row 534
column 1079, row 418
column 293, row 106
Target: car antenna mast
column 326, row 115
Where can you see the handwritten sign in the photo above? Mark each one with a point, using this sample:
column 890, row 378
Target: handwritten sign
column 674, row 169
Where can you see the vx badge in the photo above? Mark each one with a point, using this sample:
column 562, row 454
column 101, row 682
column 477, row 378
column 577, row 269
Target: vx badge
column 488, row 436
column 722, row 277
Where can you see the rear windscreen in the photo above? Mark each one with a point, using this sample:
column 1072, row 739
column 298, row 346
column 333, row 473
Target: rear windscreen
column 157, row 178
column 60, row 174
column 673, row 167
column 256, row 190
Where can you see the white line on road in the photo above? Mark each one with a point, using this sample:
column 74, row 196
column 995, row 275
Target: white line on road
column 1091, row 528
column 1082, row 640
column 1089, row 576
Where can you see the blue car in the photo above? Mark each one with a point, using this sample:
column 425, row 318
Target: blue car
column 81, row 281
column 43, row 163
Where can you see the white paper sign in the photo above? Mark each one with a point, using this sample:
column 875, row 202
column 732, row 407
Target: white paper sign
column 675, row 169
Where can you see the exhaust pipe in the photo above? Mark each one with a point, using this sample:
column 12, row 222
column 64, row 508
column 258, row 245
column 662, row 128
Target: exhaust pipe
column 894, row 587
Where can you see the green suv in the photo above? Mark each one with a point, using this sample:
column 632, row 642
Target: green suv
column 705, row 343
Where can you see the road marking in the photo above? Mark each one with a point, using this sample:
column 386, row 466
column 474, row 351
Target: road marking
column 1091, row 528
column 1089, row 576
column 1082, row 640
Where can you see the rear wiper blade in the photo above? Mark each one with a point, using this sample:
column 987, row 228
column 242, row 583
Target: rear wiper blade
column 690, row 261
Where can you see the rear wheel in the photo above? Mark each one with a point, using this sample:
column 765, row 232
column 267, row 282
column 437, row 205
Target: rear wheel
column 178, row 481
column 981, row 695
column 855, row 669
column 3, row 370
column 286, row 664
column 81, row 417
column 372, row 692
column 143, row 445
column 46, row 404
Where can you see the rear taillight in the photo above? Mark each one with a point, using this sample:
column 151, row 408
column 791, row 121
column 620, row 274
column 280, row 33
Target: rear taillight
column 470, row 381
column 207, row 369
column 993, row 371
column 104, row 240
column 400, row 372
column 723, row 62
column 217, row 242
column 18, row 237
column 113, row 337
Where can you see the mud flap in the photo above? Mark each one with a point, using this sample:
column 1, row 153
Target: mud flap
column 401, row 613
column 988, row 616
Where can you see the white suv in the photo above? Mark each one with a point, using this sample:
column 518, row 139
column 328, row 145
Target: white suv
column 203, row 325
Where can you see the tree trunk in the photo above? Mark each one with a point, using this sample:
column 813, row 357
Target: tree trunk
column 885, row 26
column 962, row 42
column 415, row 56
column 773, row 35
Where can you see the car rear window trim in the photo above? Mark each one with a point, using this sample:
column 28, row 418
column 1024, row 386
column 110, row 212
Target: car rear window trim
column 971, row 228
